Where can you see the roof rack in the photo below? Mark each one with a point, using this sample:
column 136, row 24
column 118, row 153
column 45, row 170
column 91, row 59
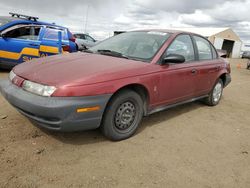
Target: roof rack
column 23, row 16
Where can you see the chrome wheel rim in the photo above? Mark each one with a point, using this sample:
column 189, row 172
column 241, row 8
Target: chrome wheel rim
column 217, row 92
column 125, row 116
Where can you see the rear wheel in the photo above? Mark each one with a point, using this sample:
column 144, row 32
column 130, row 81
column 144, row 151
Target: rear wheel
column 215, row 95
column 123, row 115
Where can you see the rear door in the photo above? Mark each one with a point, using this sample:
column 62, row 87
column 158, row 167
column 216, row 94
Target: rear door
column 208, row 66
column 178, row 80
column 19, row 43
column 50, row 43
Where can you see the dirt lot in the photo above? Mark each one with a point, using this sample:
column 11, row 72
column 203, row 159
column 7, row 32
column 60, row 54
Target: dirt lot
column 189, row 146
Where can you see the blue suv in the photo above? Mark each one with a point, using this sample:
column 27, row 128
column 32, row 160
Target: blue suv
column 23, row 38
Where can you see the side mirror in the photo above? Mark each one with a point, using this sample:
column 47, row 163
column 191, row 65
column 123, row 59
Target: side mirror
column 173, row 58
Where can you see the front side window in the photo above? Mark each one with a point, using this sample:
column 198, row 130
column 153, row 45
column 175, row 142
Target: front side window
column 204, row 48
column 182, row 45
column 138, row 45
column 52, row 34
column 23, row 32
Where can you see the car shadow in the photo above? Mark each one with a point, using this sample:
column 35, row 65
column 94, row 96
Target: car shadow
column 76, row 138
column 168, row 114
column 4, row 71
column 95, row 136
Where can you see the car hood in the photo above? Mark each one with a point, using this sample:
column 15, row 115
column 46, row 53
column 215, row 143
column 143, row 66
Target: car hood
column 78, row 69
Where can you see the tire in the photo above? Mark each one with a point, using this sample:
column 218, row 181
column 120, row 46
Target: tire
column 77, row 48
column 83, row 48
column 215, row 95
column 122, row 115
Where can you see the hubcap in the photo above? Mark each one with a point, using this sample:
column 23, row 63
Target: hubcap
column 125, row 116
column 217, row 92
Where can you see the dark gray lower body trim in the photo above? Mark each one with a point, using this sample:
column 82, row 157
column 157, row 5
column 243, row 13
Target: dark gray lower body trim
column 227, row 80
column 165, row 107
column 55, row 113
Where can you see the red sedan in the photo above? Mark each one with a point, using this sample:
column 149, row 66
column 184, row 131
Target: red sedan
column 117, row 82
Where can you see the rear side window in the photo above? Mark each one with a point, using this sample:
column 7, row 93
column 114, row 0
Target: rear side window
column 182, row 45
column 52, row 34
column 204, row 48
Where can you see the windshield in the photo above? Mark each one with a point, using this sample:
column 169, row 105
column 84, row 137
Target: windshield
column 140, row 45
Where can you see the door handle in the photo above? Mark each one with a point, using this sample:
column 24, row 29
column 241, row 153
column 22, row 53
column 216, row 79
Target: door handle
column 194, row 71
column 32, row 44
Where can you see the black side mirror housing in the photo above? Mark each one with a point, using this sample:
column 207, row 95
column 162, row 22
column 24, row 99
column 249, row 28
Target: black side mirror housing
column 173, row 58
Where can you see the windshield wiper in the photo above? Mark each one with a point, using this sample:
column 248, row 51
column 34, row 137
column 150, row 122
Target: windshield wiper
column 112, row 53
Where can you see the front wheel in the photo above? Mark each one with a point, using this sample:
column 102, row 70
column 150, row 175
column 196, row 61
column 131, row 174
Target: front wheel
column 122, row 116
column 215, row 95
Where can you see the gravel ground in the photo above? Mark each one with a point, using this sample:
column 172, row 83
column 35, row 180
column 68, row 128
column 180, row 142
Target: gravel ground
column 188, row 146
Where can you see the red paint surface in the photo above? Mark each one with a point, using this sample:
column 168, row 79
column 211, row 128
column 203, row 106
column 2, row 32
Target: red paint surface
column 85, row 74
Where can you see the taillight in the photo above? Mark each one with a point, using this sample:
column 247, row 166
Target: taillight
column 72, row 38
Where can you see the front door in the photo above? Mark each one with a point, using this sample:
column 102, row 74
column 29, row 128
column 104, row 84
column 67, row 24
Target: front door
column 177, row 81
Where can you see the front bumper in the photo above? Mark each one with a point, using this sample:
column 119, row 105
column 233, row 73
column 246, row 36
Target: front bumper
column 56, row 113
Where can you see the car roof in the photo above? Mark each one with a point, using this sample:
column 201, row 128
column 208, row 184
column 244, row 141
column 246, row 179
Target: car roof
column 80, row 34
column 9, row 19
column 171, row 31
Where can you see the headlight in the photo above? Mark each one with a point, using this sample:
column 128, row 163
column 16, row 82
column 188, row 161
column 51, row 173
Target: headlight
column 38, row 89
column 12, row 75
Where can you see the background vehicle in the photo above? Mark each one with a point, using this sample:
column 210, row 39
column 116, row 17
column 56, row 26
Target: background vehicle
column 23, row 38
column 246, row 55
column 222, row 53
column 128, row 76
column 84, row 41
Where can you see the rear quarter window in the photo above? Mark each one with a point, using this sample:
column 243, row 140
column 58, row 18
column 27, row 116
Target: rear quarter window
column 52, row 34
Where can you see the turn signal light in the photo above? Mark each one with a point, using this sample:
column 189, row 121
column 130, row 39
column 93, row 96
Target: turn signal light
column 89, row 109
